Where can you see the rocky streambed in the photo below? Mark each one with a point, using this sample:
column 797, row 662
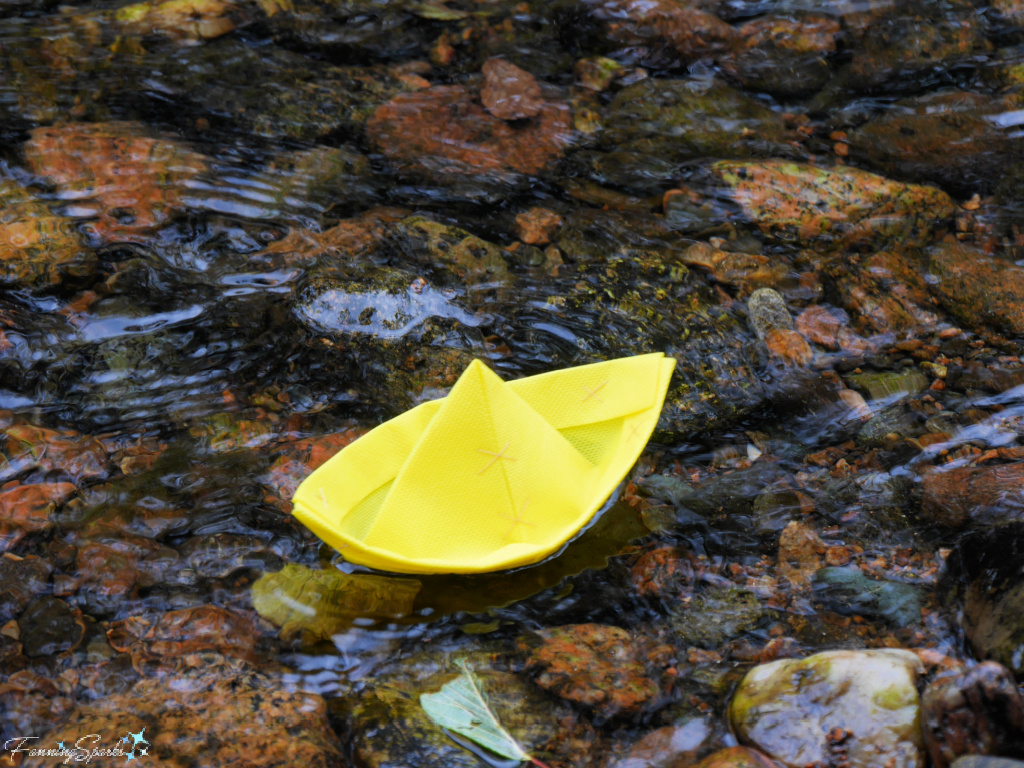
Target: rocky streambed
column 237, row 234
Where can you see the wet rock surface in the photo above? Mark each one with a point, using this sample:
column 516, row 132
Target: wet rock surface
column 790, row 708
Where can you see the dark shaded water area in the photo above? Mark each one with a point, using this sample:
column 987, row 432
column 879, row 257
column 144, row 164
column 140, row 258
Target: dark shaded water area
column 235, row 235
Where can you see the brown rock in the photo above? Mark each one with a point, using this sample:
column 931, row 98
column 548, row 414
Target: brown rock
column 668, row 30
column 536, row 225
column 29, row 447
column 673, row 746
column 749, row 270
column 297, row 459
column 788, row 347
column 977, row 712
column 822, row 325
column 106, row 571
column 800, row 551
column 443, row 134
column 661, row 571
column 349, row 238
column 977, row 289
column 206, row 628
column 598, row 666
column 510, row 93
column 737, row 757
column 132, row 182
column 215, row 713
column 887, row 294
column 956, row 496
column 29, row 506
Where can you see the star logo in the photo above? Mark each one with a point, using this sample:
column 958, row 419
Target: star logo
column 124, row 740
column 138, row 737
column 143, row 752
column 130, row 756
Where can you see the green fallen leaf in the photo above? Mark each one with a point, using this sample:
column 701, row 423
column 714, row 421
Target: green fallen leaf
column 461, row 706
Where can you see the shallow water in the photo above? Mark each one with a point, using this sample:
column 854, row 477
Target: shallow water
column 236, row 236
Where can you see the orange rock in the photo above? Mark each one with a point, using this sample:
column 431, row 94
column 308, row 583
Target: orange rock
column 349, row 238
column 664, row 26
column 788, row 346
column 598, row 666
column 955, row 496
column 444, row 134
column 800, row 551
column 510, row 93
column 536, row 225
column 29, row 506
column 206, row 628
column 31, row 447
column 298, row 459
column 132, row 182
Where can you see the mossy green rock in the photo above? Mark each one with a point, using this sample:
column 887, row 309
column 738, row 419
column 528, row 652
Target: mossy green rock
column 319, row 604
column 716, row 616
column 786, row 708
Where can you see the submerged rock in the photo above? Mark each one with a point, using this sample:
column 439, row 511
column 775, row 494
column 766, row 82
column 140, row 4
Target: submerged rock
column 977, row 712
column 130, row 183
column 382, row 303
column 603, row 668
column 651, row 128
column 886, row 293
column 195, row 717
column 788, row 708
column 973, row 494
column 784, row 54
column 442, row 135
column 662, row 33
column 21, row 579
column 510, row 93
column 37, row 247
column 952, row 138
column 849, row 592
column 915, row 41
column 49, row 626
column 736, row 757
column 804, row 204
column 27, row 509
column 293, row 97
column 191, row 630
column 669, row 746
column 976, row 289
column 428, row 242
column 389, row 728
column 320, row 604
column 297, row 459
column 716, row 616
column 985, row 571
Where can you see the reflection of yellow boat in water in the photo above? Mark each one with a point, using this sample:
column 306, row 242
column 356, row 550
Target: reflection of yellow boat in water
column 495, row 475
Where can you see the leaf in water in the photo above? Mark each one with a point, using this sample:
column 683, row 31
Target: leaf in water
column 461, row 706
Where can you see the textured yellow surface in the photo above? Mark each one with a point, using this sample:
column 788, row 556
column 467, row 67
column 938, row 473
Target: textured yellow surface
column 495, row 475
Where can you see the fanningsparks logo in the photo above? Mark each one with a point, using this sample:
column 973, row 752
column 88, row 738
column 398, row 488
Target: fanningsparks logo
column 86, row 749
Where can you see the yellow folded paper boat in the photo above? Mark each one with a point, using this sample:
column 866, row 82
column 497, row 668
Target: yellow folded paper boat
column 495, row 475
